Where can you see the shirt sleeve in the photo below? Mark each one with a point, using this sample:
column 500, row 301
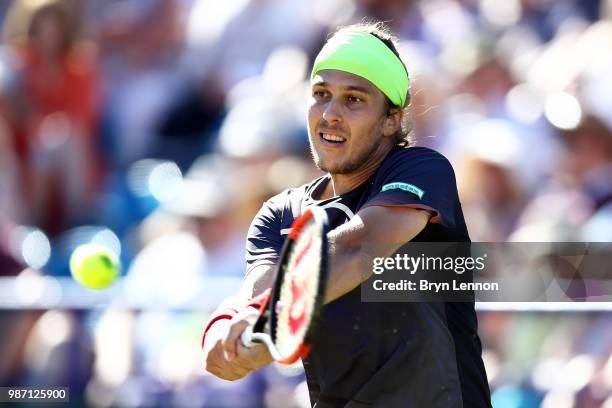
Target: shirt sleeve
column 263, row 247
column 264, row 241
column 422, row 179
column 232, row 305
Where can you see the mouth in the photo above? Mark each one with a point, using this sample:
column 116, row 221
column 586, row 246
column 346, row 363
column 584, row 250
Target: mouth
column 328, row 138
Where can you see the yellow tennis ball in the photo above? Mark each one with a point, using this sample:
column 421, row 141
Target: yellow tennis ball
column 94, row 266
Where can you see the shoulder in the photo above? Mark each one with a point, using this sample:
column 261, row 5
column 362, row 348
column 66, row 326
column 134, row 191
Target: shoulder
column 292, row 197
column 278, row 212
column 416, row 153
column 416, row 159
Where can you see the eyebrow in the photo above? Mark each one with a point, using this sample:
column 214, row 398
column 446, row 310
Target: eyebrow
column 346, row 88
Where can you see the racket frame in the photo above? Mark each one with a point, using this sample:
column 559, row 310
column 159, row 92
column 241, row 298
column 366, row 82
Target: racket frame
column 269, row 315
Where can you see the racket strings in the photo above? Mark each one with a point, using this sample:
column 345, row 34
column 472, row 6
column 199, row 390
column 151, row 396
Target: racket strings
column 298, row 290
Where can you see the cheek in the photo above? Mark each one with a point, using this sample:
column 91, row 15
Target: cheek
column 368, row 127
column 314, row 114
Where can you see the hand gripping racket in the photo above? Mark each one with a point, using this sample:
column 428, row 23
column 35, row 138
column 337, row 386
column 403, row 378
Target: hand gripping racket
column 298, row 290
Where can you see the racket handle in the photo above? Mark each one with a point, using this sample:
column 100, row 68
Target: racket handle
column 247, row 337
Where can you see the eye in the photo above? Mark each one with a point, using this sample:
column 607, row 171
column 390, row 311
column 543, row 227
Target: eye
column 319, row 94
column 354, row 99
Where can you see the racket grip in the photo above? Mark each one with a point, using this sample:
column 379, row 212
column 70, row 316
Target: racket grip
column 247, row 337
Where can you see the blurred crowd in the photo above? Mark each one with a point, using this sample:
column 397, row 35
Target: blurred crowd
column 158, row 127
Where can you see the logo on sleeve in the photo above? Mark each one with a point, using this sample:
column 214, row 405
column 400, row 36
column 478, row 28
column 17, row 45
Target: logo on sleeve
column 406, row 187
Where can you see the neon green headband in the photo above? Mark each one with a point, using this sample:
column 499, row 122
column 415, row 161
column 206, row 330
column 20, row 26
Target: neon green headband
column 363, row 54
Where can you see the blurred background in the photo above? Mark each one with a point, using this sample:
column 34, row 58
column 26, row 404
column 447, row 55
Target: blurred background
column 157, row 128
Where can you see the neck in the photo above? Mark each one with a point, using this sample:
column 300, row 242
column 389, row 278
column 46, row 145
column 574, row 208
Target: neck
column 343, row 183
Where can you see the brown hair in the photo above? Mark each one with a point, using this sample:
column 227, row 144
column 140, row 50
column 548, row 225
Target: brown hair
column 22, row 15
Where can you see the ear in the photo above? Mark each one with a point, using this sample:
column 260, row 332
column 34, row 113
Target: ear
column 393, row 121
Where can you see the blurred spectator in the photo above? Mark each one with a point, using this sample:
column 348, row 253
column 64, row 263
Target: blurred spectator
column 55, row 116
column 577, row 201
column 489, row 83
column 491, row 197
column 402, row 15
column 141, row 75
column 590, row 161
column 11, row 201
column 58, row 352
column 225, row 50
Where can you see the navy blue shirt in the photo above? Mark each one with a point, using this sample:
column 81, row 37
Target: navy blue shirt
column 386, row 354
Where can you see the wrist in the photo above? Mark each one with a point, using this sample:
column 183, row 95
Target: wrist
column 227, row 313
column 216, row 321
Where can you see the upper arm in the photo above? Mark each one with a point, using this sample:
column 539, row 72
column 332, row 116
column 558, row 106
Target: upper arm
column 264, row 240
column 380, row 230
column 393, row 225
column 420, row 179
column 263, row 245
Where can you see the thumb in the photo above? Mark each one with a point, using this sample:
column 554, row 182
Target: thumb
column 231, row 339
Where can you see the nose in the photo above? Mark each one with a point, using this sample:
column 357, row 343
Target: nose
column 331, row 114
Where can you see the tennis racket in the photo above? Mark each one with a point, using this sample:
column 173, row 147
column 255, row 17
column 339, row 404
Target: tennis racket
column 298, row 290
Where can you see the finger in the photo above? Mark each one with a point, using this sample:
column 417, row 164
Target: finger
column 237, row 373
column 230, row 375
column 255, row 356
column 247, row 353
column 226, row 371
column 231, row 339
column 244, row 357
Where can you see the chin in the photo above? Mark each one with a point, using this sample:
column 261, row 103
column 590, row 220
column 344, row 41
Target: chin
column 334, row 168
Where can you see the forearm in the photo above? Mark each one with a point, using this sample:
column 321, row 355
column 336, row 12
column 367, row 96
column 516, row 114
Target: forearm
column 257, row 281
column 347, row 261
column 375, row 232
column 254, row 285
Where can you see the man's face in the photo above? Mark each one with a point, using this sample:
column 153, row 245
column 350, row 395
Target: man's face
column 345, row 121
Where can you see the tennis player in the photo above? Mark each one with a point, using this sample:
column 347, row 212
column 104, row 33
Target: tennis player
column 377, row 190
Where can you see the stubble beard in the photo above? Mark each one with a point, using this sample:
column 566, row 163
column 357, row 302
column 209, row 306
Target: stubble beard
column 348, row 166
